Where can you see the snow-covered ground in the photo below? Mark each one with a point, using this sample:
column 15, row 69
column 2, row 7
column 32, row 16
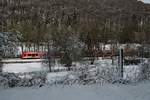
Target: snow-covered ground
column 107, row 92
column 23, row 67
column 18, row 60
column 27, row 65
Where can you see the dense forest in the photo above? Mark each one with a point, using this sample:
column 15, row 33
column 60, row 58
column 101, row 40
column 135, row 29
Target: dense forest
column 93, row 20
column 73, row 25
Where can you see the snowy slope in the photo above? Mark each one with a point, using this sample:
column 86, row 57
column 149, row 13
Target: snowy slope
column 109, row 92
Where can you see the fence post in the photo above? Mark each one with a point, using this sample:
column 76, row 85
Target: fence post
column 120, row 62
column 1, row 64
column 49, row 58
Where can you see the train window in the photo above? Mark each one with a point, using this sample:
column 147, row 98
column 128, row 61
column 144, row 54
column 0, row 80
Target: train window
column 33, row 55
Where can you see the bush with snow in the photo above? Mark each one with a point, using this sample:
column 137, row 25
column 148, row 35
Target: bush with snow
column 84, row 75
column 81, row 74
column 22, row 79
column 92, row 75
column 145, row 70
column 98, row 74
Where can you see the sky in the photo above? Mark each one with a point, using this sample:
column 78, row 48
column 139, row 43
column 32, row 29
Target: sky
column 146, row 1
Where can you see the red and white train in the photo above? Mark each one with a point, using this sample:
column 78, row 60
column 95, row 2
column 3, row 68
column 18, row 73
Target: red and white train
column 33, row 55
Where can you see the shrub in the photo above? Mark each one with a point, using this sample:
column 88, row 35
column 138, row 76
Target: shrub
column 22, row 79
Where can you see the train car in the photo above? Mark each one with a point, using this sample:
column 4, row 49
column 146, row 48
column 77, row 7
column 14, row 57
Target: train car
column 32, row 55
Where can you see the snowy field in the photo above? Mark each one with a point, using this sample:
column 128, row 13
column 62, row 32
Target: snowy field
column 108, row 92
column 27, row 65
column 23, row 67
column 18, row 60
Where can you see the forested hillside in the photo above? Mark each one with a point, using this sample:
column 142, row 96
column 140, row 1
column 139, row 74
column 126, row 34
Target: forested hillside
column 98, row 20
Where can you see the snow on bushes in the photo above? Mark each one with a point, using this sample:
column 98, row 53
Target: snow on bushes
column 22, row 79
column 82, row 74
column 135, row 73
column 145, row 70
column 105, row 73
column 90, row 74
column 56, row 77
